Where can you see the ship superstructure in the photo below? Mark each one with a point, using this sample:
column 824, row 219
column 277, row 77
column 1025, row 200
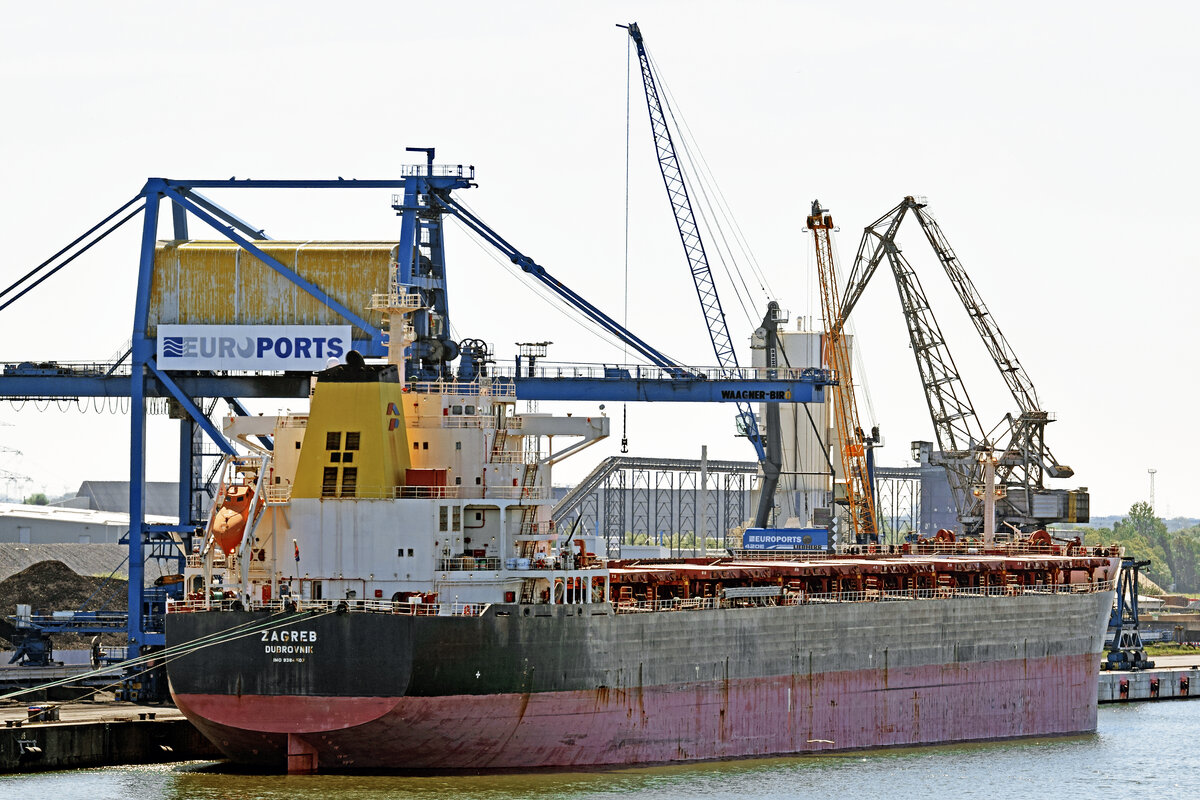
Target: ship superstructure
column 413, row 492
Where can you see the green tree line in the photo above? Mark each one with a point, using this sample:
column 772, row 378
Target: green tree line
column 1174, row 557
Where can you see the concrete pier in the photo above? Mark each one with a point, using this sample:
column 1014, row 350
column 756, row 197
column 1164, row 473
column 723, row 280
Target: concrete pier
column 1172, row 678
column 96, row 734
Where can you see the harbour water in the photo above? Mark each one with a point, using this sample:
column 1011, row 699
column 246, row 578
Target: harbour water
column 1139, row 750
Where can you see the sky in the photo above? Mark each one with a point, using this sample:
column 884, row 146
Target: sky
column 1055, row 142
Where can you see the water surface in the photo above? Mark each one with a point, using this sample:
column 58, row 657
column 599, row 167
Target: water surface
column 1141, row 750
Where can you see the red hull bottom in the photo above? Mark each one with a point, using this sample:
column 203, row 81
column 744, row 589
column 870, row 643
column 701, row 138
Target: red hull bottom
column 713, row 720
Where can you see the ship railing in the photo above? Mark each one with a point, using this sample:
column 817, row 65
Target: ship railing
column 292, row 604
column 468, row 563
column 512, row 457
column 610, row 371
column 672, row 604
column 738, row 599
column 472, row 420
column 944, row 593
column 438, row 171
column 959, row 548
column 483, row 388
column 518, row 492
column 278, row 494
column 397, row 298
column 439, row 492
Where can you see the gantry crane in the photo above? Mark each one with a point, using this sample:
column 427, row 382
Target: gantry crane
column 854, row 443
column 710, row 303
column 1017, row 451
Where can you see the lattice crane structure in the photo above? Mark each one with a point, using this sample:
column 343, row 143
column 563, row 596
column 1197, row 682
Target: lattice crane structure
column 1016, row 448
column 853, row 441
column 710, row 302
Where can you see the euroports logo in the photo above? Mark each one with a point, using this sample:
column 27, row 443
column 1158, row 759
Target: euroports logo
column 251, row 347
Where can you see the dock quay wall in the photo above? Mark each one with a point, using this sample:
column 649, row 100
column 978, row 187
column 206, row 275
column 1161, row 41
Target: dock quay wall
column 1152, row 684
column 37, row 747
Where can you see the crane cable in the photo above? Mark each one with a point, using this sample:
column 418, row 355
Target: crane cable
column 858, row 372
column 694, row 178
column 706, row 182
column 625, row 320
column 550, row 299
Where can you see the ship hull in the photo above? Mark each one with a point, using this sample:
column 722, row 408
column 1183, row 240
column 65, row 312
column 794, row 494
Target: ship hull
column 580, row 686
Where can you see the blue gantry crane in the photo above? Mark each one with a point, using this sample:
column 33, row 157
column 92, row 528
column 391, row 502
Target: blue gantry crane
column 423, row 198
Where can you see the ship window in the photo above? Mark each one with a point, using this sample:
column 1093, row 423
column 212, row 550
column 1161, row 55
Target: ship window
column 333, row 440
column 297, row 445
column 416, row 445
column 349, row 481
column 470, row 410
column 478, row 480
column 478, row 515
column 410, row 552
column 399, row 552
column 424, row 445
column 458, row 445
column 456, row 410
column 443, row 519
column 458, row 480
column 347, row 458
column 457, row 518
column 329, row 482
column 352, row 440
column 335, row 457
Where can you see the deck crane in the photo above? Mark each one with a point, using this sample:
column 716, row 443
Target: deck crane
column 854, row 443
column 969, row 453
column 769, row 455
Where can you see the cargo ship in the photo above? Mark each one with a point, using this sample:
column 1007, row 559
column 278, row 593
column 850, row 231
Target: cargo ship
column 384, row 589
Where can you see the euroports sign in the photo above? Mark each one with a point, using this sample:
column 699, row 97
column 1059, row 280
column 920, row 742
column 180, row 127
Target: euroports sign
column 785, row 538
column 251, row 347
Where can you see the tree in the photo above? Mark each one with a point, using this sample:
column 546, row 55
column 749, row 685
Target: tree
column 1141, row 520
column 38, row 499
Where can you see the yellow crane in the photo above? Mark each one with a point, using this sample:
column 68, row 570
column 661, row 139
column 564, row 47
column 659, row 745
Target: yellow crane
column 845, row 410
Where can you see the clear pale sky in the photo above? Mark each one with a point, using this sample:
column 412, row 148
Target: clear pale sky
column 1056, row 143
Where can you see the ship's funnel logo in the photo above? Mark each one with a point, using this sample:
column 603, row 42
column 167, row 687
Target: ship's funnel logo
column 251, row 347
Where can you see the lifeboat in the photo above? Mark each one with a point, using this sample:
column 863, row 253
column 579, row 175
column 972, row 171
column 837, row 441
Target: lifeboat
column 229, row 523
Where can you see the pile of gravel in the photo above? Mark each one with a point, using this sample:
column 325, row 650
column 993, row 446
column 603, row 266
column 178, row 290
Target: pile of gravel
column 50, row 586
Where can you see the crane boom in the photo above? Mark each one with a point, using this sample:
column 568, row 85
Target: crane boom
column 1028, row 426
column 689, row 235
column 1024, row 459
column 853, row 441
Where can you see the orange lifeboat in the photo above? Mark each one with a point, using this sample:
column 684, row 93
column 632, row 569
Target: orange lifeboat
column 229, row 523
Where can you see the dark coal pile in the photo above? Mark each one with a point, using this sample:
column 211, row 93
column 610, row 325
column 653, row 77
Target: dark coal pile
column 51, row 586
